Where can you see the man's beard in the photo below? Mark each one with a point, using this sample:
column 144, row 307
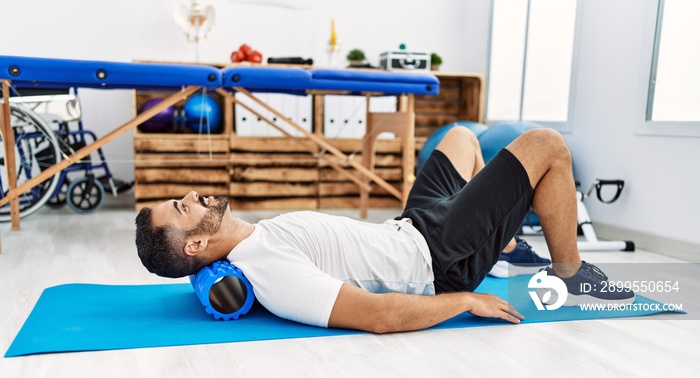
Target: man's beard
column 211, row 222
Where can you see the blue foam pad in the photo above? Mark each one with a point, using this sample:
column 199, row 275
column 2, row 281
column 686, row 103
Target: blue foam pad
column 387, row 82
column 294, row 80
column 65, row 73
column 86, row 317
column 291, row 80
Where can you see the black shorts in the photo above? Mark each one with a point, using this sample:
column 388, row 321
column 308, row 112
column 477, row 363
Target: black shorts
column 467, row 225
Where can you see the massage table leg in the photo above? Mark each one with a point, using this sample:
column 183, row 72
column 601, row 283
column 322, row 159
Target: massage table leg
column 8, row 138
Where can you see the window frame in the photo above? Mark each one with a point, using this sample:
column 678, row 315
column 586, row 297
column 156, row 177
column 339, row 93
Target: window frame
column 561, row 126
column 648, row 126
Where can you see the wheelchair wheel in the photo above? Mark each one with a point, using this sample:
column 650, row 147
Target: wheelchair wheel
column 59, row 200
column 85, row 194
column 36, row 149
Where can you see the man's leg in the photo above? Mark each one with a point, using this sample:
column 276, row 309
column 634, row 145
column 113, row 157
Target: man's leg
column 547, row 161
column 544, row 160
column 462, row 148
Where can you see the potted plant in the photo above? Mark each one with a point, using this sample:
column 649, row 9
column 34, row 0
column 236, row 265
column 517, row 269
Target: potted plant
column 435, row 61
column 356, row 57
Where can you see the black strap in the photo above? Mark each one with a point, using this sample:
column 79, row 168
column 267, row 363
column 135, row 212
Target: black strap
column 599, row 185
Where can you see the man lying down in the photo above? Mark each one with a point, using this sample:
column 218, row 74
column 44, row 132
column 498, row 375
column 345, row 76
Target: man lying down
column 408, row 273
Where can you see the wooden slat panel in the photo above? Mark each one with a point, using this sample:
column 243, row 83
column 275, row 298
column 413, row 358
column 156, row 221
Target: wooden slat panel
column 180, row 160
column 384, row 146
column 380, row 160
column 270, row 189
column 285, row 174
column 303, row 160
column 447, row 81
column 180, row 143
column 146, row 191
column 274, row 204
column 435, row 119
column 437, row 107
column 301, row 145
column 354, row 203
column 182, row 175
column 446, row 93
column 326, row 189
column 471, row 101
column 271, row 144
column 465, row 91
column 388, row 174
column 273, row 160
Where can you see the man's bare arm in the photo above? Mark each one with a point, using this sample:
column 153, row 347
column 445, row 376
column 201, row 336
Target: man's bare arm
column 393, row 312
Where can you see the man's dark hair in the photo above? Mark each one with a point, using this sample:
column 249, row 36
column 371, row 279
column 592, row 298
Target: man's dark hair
column 161, row 249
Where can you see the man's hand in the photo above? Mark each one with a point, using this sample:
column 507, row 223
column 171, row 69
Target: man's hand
column 491, row 306
column 392, row 312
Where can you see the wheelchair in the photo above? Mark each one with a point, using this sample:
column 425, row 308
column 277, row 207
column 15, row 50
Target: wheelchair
column 38, row 146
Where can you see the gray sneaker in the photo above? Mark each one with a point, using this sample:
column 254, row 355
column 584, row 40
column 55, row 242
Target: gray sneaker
column 590, row 286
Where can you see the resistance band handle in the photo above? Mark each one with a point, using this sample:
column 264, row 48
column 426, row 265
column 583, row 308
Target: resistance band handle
column 599, row 185
column 223, row 290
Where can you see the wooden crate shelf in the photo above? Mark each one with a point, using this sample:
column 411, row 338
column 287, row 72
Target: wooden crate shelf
column 283, row 173
column 461, row 98
column 274, row 204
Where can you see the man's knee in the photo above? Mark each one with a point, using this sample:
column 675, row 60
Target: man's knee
column 460, row 138
column 549, row 142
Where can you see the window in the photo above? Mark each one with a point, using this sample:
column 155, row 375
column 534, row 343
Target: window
column 530, row 63
column 674, row 88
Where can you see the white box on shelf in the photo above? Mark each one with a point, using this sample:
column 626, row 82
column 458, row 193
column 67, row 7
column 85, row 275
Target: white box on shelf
column 404, row 60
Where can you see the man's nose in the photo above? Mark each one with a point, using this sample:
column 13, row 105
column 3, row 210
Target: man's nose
column 192, row 197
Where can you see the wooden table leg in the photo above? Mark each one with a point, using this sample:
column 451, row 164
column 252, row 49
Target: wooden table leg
column 409, row 149
column 8, row 138
column 367, row 160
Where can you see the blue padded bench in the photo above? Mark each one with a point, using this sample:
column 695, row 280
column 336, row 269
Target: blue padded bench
column 63, row 73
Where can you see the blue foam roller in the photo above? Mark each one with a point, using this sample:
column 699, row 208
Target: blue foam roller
column 223, row 290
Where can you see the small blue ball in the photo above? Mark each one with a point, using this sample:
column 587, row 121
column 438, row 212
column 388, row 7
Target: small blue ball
column 202, row 114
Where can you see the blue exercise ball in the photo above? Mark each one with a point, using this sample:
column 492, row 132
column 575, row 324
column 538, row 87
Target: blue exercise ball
column 435, row 138
column 500, row 135
column 202, row 114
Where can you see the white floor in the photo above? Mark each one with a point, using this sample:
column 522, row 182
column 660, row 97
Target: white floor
column 56, row 247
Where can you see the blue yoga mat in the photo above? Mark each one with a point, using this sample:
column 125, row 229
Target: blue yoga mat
column 87, row 317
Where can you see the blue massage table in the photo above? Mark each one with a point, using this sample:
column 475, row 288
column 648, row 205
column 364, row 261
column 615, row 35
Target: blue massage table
column 185, row 80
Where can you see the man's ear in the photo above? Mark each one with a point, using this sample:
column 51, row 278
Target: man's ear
column 196, row 245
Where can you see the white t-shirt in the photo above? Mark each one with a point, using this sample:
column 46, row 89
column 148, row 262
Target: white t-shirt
column 297, row 262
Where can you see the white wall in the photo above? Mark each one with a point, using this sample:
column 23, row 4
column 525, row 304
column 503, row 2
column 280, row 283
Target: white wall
column 613, row 60
column 662, row 174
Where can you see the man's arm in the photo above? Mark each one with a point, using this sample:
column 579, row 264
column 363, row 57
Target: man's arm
column 393, row 312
